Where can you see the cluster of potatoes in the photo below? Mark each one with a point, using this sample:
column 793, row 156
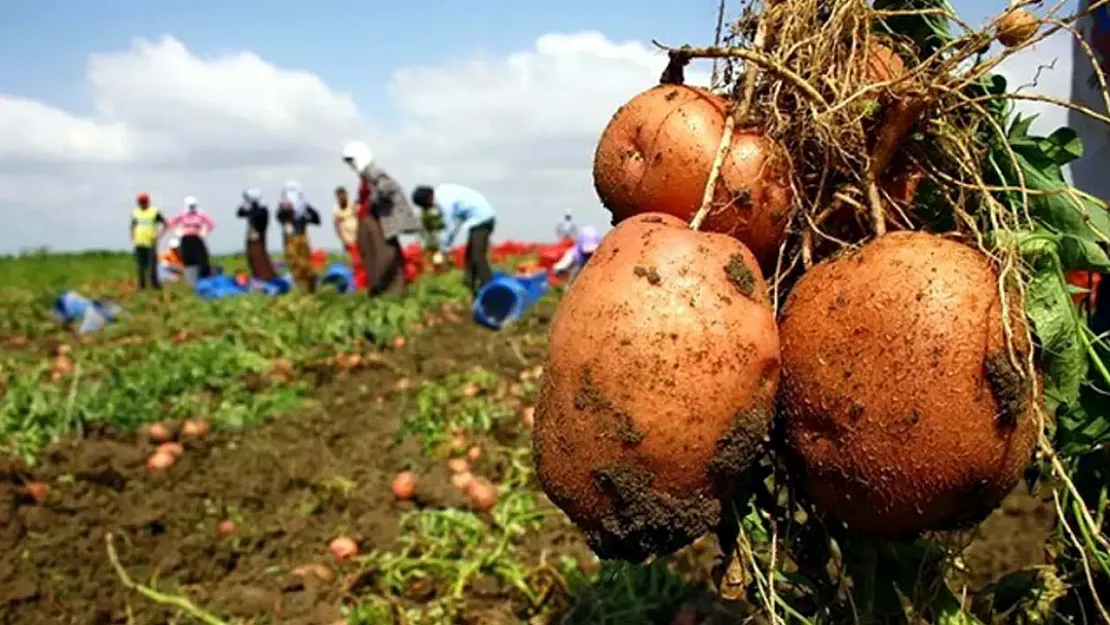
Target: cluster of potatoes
column 888, row 378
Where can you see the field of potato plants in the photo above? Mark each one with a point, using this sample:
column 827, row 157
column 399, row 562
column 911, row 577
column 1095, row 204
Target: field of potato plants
column 323, row 442
column 313, row 407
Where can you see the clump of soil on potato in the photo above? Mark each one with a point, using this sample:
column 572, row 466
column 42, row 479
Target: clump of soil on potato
column 644, row 521
column 740, row 275
column 1011, row 390
column 648, row 273
column 738, row 448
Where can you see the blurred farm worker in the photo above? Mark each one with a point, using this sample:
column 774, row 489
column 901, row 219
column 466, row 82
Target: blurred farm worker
column 88, row 314
column 384, row 215
column 170, row 266
column 575, row 258
column 467, row 210
column 193, row 225
column 566, row 228
column 345, row 215
column 172, row 256
column 258, row 220
column 295, row 215
column 147, row 225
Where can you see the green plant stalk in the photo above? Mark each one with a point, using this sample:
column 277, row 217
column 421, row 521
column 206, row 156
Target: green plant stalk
column 1102, row 558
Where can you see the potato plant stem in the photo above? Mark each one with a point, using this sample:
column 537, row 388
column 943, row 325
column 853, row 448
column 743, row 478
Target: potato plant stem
column 714, row 173
column 771, row 65
column 738, row 112
column 180, row 603
column 717, row 41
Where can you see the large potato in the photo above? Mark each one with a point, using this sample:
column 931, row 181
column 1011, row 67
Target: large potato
column 656, row 154
column 898, row 392
column 659, row 387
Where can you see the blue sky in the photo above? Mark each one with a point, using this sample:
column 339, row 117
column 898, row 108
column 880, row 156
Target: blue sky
column 387, row 70
column 44, row 44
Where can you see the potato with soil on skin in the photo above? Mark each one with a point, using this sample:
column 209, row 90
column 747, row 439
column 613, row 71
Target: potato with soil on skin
column 898, row 394
column 659, row 386
column 656, row 154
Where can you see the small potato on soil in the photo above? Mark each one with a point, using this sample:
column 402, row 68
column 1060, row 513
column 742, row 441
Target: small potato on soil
column 194, row 429
column 174, row 449
column 483, row 494
column 462, row 480
column 404, row 486
column 639, row 461
column 899, row 397
column 159, row 433
column 160, row 462
column 37, row 492
column 343, row 547
column 458, row 465
column 319, row 571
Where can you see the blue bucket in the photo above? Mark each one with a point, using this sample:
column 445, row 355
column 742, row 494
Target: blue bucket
column 504, row 299
column 339, row 275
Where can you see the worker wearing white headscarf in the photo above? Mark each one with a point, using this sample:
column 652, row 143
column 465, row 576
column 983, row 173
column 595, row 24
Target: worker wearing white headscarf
column 295, row 214
column 384, row 214
column 192, row 225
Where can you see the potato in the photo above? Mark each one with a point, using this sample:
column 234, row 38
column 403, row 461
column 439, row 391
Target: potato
column 898, row 394
column 659, row 386
column 656, row 154
column 1017, row 27
column 883, row 64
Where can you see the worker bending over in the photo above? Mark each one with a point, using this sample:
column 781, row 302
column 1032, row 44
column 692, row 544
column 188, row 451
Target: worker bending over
column 467, row 210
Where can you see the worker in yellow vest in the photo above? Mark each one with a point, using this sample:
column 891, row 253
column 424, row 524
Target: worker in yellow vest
column 147, row 225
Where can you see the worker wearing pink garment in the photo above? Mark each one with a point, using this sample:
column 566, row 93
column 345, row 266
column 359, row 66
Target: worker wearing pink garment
column 192, row 226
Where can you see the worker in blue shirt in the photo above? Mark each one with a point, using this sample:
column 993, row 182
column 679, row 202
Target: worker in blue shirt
column 465, row 209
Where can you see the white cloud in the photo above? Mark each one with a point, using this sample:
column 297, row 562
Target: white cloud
column 521, row 128
column 34, row 132
column 1045, row 68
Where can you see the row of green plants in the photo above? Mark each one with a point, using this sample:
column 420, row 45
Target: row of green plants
column 174, row 355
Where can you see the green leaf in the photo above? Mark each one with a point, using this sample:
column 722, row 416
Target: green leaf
column 1081, row 253
column 1085, row 425
column 1066, row 145
column 1019, row 130
column 1060, row 209
column 1050, row 307
column 929, row 32
column 919, row 564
